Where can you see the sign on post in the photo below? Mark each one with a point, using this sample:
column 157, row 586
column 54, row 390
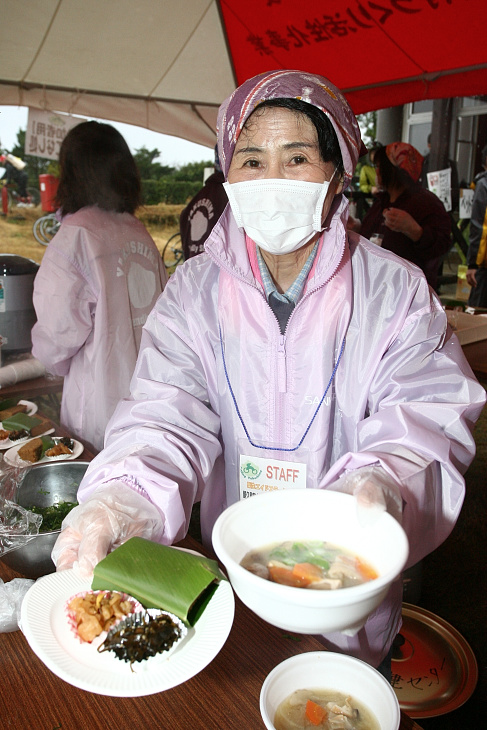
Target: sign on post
column 466, row 200
column 46, row 131
column 439, row 183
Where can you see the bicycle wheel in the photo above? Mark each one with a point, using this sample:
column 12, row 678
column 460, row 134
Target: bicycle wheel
column 37, row 231
column 45, row 228
column 172, row 253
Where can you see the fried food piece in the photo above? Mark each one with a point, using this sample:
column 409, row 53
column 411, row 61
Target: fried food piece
column 97, row 612
column 58, row 450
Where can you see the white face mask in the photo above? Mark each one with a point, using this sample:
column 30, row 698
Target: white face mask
column 279, row 215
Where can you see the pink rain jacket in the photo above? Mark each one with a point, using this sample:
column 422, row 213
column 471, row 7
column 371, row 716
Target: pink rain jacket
column 99, row 279
column 403, row 395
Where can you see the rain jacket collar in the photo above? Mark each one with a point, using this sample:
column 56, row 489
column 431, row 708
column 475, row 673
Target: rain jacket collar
column 226, row 246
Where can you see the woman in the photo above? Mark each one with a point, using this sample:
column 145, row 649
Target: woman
column 368, row 176
column 413, row 221
column 289, row 340
column 99, row 278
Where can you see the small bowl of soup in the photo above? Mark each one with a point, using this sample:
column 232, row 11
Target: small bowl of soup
column 302, row 560
column 324, row 690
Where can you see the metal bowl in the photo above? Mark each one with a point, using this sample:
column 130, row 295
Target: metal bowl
column 44, row 485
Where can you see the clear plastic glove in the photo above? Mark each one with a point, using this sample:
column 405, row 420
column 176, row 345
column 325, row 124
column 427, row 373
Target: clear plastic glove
column 375, row 490
column 111, row 515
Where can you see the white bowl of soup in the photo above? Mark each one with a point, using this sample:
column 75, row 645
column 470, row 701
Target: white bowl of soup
column 311, row 523
column 320, row 689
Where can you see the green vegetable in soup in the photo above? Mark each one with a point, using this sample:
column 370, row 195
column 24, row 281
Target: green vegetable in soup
column 311, row 564
column 314, row 552
column 53, row 516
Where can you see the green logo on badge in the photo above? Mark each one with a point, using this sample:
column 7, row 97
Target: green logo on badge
column 250, row 471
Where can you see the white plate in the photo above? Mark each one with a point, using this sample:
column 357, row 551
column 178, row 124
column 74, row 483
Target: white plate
column 31, row 407
column 46, row 629
column 7, row 443
column 11, row 456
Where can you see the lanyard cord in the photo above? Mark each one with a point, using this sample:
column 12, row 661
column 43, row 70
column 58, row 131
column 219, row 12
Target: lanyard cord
column 273, row 448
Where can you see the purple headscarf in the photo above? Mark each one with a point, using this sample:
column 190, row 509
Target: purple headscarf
column 285, row 84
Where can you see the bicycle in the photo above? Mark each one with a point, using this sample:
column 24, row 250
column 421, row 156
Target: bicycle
column 45, row 228
column 172, row 253
column 32, row 199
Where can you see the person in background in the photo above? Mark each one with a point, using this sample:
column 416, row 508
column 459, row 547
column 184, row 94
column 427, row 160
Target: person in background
column 99, row 278
column 15, row 173
column 413, row 221
column 367, row 177
column 289, row 339
column 202, row 213
column 477, row 249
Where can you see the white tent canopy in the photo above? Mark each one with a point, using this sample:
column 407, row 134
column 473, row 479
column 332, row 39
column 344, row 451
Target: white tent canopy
column 135, row 62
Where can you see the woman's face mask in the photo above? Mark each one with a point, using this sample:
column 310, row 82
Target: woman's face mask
column 277, row 182
column 279, row 215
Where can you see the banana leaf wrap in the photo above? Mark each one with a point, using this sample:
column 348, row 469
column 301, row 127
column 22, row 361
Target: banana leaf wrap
column 160, row 577
column 20, row 421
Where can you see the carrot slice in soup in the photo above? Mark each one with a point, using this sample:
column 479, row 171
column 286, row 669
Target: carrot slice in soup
column 367, row 570
column 307, row 573
column 315, row 713
column 283, row 575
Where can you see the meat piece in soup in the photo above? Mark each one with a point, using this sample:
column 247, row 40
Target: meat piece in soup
column 309, row 564
column 324, row 710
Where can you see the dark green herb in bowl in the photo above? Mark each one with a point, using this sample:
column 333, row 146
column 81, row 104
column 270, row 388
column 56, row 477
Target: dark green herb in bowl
column 53, row 516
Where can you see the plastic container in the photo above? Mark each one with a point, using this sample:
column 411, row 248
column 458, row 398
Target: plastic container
column 17, row 313
column 48, row 185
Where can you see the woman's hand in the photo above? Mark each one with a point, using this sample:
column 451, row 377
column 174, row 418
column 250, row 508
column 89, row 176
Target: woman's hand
column 109, row 517
column 375, row 491
column 401, row 222
column 354, row 224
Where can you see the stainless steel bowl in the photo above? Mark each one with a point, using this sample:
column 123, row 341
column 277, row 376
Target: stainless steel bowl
column 43, row 485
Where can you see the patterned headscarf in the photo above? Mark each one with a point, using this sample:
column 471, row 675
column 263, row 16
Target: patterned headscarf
column 285, row 84
column 407, row 157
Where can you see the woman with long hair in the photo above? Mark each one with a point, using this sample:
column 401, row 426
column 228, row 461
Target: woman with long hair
column 98, row 281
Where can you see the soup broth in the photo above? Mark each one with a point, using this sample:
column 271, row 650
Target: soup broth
column 323, row 710
column 310, row 564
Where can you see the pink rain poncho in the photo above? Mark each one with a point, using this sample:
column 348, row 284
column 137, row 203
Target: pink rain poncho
column 99, row 279
column 216, row 379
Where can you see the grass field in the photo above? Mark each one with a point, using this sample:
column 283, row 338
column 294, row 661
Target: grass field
column 16, row 236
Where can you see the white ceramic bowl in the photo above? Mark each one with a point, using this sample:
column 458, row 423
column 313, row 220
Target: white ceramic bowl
column 324, row 669
column 308, row 514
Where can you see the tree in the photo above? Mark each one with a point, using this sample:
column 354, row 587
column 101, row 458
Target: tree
column 150, row 170
column 368, row 127
column 192, row 172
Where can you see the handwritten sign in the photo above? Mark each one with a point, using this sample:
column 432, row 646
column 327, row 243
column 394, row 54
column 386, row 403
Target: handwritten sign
column 439, row 183
column 466, row 200
column 46, row 131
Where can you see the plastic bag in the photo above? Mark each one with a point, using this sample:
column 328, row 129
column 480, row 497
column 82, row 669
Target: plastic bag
column 11, row 597
column 17, row 524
